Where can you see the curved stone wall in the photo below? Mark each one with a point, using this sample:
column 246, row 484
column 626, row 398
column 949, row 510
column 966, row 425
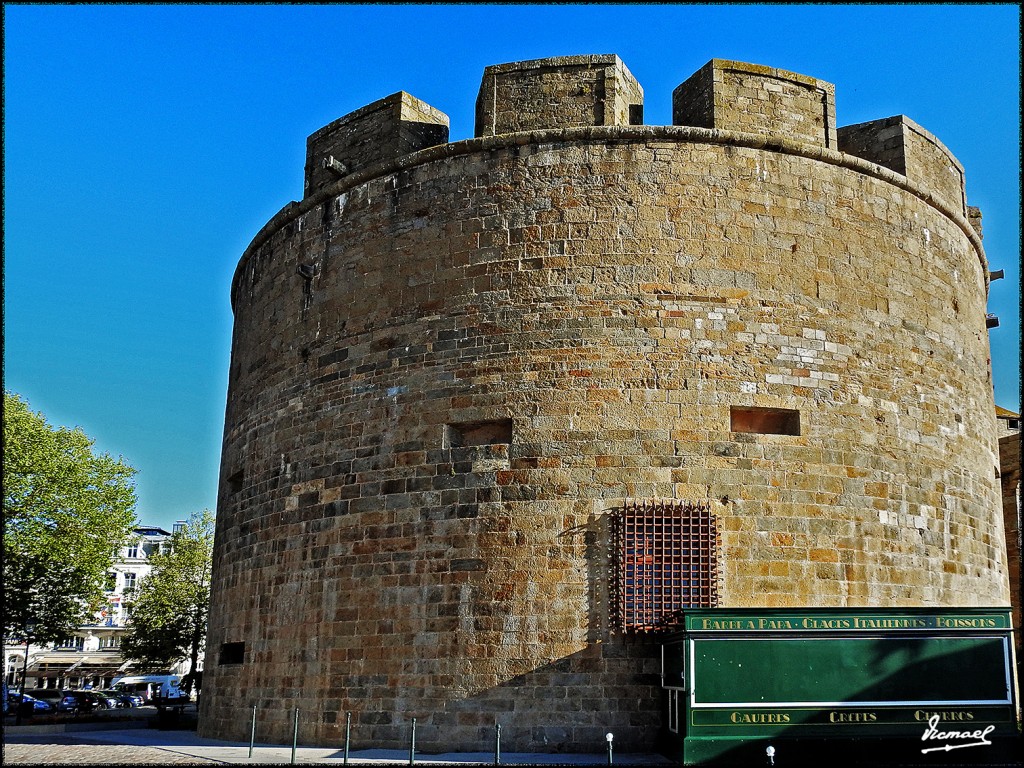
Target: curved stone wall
column 448, row 369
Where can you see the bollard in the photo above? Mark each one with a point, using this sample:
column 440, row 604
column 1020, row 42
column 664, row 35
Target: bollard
column 295, row 734
column 497, row 743
column 348, row 734
column 609, row 737
column 412, row 744
column 252, row 733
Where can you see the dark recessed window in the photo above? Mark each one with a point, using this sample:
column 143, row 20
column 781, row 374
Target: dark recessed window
column 235, row 481
column 231, row 653
column 1013, row 423
column 765, row 421
column 473, row 433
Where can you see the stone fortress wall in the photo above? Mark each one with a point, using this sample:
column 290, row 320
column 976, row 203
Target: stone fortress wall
column 452, row 361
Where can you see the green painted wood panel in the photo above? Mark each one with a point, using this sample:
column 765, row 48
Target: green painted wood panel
column 788, row 670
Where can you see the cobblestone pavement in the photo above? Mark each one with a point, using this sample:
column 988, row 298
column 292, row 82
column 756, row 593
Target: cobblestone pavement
column 60, row 749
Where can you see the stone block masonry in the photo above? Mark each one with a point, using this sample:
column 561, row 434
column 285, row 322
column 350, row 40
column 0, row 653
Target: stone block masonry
column 904, row 146
column 391, row 127
column 454, row 362
column 733, row 95
column 567, row 91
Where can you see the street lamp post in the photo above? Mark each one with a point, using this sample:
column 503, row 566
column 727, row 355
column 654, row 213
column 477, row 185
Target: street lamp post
column 29, row 629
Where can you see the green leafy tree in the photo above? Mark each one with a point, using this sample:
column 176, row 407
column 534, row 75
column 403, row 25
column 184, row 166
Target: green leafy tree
column 67, row 512
column 168, row 616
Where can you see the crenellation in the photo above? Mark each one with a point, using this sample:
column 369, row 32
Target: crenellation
column 900, row 144
column 396, row 125
column 733, row 95
column 557, row 93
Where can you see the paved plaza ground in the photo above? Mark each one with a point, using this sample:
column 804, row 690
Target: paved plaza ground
column 138, row 746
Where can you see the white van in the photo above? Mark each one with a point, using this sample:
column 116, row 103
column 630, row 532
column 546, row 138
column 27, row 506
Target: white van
column 151, row 687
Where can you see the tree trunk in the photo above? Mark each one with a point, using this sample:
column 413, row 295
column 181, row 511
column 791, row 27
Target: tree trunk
column 197, row 636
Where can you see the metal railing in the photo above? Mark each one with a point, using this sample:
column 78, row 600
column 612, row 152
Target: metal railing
column 346, row 747
column 665, row 559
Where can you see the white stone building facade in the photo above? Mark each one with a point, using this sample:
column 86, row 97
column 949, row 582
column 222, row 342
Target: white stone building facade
column 92, row 657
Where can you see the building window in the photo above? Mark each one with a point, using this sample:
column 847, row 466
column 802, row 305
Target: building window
column 111, row 585
column 178, row 526
column 665, row 559
column 1013, row 423
column 764, row 421
column 129, row 582
column 132, row 552
column 231, row 653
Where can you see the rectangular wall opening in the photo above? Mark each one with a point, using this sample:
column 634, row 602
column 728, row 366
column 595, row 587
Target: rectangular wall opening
column 471, row 433
column 764, row 421
column 231, row 653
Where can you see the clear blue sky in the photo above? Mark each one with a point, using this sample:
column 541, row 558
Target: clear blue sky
column 146, row 145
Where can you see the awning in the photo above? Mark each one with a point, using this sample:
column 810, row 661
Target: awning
column 57, row 658
column 80, row 664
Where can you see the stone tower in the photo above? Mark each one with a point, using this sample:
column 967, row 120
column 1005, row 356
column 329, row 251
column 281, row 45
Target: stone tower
column 471, row 383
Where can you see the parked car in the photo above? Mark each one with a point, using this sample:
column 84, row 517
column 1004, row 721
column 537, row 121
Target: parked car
column 86, row 701
column 52, row 696
column 38, row 705
column 108, row 701
column 124, row 698
column 69, row 701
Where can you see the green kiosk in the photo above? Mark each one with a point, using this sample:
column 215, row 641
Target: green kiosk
column 841, row 686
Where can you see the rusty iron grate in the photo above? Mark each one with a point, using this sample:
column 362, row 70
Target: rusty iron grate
column 665, row 559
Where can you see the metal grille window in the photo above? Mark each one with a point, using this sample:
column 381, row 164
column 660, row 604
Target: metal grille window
column 665, row 560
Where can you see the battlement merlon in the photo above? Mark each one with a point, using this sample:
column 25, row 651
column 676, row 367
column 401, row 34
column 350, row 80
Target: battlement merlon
column 736, row 96
column 901, row 145
column 396, row 125
column 557, row 92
